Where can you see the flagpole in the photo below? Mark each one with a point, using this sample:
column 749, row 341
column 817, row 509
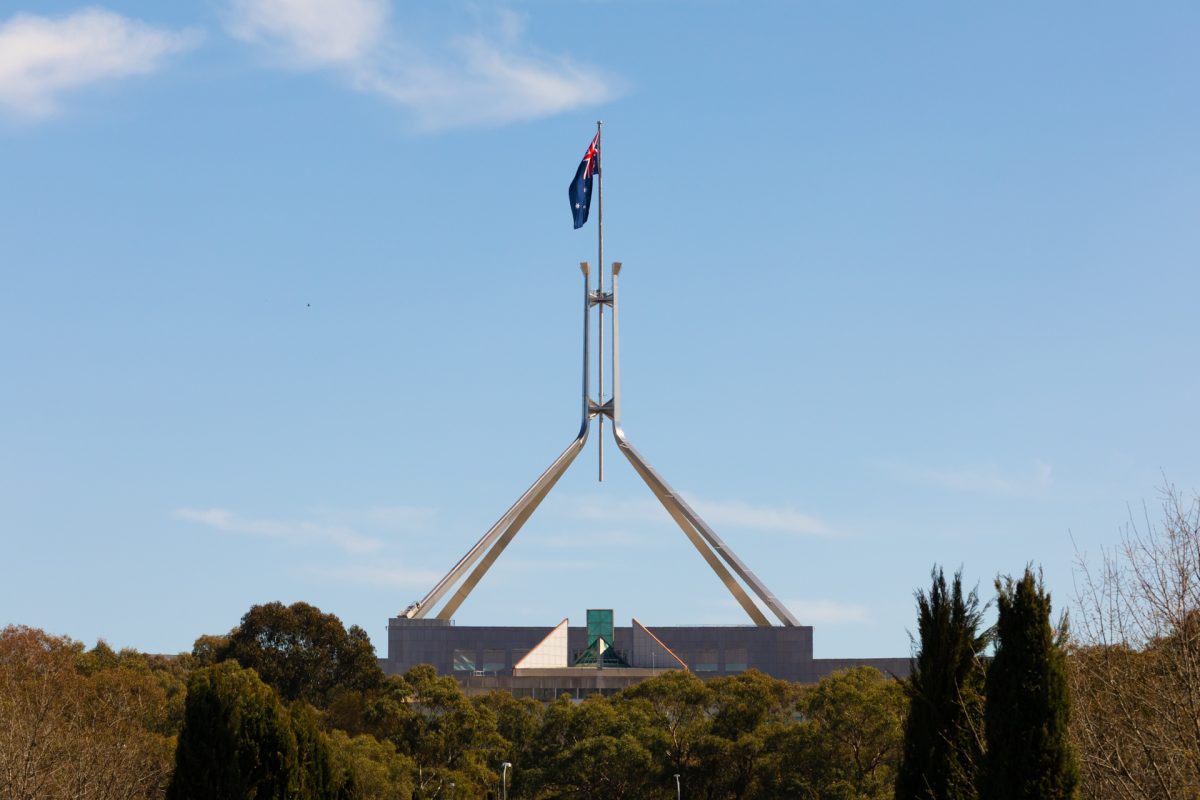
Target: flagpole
column 600, row 294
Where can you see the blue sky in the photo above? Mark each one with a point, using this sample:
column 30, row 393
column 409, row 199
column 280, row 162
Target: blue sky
column 289, row 302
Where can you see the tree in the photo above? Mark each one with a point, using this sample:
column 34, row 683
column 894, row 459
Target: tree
column 236, row 741
column 76, row 724
column 592, row 749
column 850, row 738
column 376, row 770
column 321, row 776
column 450, row 739
column 1135, row 661
column 518, row 721
column 301, row 652
column 943, row 745
column 169, row 672
column 747, row 712
column 679, row 707
column 208, row 650
column 1027, row 713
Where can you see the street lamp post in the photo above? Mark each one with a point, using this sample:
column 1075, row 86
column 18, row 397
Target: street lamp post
column 678, row 791
column 506, row 766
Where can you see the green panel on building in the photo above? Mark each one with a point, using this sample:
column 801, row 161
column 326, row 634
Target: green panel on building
column 600, row 625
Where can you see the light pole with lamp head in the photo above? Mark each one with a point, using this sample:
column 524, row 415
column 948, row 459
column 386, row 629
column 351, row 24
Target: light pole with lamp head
column 678, row 791
column 505, row 767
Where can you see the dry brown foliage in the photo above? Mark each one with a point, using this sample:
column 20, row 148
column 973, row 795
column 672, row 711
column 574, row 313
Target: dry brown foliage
column 1135, row 661
column 68, row 734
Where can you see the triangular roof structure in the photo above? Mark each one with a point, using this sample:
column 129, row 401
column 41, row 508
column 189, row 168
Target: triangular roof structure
column 649, row 651
column 550, row 653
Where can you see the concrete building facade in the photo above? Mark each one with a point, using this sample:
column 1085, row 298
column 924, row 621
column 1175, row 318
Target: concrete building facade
column 482, row 658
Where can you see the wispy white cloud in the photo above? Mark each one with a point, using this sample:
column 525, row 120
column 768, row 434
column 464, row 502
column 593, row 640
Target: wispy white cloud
column 977, row 479
column 484, row 78
column 479, row 81
column 605, row 508
column 307, row 33
column 583, row 540
column 827, row 612
column 41, row 58
column 401, row 519
column 379, row 575
column 736, row 514
column 304, row 532
column 523, row 565
column 719, row 514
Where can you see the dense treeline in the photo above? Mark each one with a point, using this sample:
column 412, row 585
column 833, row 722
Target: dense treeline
column 291, row 704
column 748, row 736
column 205, row 726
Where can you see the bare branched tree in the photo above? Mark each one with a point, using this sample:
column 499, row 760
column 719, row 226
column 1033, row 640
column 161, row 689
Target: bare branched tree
column 1135, row 661
column 67, row 734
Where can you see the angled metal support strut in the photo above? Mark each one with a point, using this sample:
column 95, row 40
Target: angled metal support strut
column 712, row 549
column 696, row 529
column 492, row 544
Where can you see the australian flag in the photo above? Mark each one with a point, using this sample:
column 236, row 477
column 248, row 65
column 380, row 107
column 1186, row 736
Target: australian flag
column 580, row 190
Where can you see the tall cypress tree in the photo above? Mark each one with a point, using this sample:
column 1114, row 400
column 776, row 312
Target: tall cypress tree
column 943, row 748
column 236, row 743
column 1029, row 754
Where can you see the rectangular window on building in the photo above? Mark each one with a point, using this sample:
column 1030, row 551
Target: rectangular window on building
column 706, row 660
column 493, row 660
column 735, row 659
column 464, row 660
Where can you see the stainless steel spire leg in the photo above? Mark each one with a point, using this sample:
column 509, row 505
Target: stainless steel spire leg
column 539, row 491
column 487, row 550
column 600, row 293
column 695, row 528
column 500, row 534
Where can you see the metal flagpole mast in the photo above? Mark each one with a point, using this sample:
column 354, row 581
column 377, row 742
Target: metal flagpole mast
column 480, row 558
column 600, row 295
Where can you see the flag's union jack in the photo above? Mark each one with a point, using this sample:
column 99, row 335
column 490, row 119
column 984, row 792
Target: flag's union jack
column 580, row 190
